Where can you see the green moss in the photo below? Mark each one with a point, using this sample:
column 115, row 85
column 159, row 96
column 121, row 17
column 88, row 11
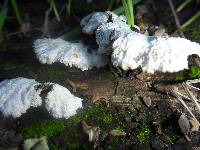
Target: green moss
column 168, row 28
column 106, row 118
column 144, row 133
column 98, row 114
column 194, row 72
column 193, row 32
column 179, row 78
column 48, row 129
column 169, row 136
column 72, row 144
column 95, row 116
column 53, row 146
column 114, row 142
column 10, row 65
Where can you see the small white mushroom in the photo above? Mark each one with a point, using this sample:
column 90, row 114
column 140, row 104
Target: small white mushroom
column 61, row 103
column 71, row 54
column 152, row 53
column 92, row 21
column 104, row 32
column 18, row 95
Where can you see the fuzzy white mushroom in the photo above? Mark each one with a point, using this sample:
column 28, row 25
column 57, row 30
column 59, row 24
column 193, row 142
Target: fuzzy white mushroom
column 131, row 49
column 71, row 54
column 103, row 24
column 104, row 32
column 152, row 53
column 61, row 103
column 18, row 95
column 92, row 21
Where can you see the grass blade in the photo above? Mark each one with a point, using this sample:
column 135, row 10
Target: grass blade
column 69, row 7
column 183, row 5
column 110, row 5
column 125, row 5
column 53, row 5
column 17, row 12
column 3, row 14
column 192, row 19
column 130, row 8
column 73, row 34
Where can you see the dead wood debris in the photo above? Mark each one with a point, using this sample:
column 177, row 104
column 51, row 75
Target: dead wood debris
column 186, row 125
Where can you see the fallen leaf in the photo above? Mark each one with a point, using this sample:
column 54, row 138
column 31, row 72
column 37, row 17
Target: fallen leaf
column 92, row 132
column 184, row 124
column 194, row 125
column 116, row 132
column 147, row 101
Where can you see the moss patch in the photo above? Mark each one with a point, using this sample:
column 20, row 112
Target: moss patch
column 98, row 116
column 144, row 133
column 169, row 136
column 193, row 32
column 194, row 72
column 10, row 65
column 48, row 129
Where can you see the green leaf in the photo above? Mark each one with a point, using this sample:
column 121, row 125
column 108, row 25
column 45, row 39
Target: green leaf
column 3, row 14
column 73, row 34
column 110, row 5
column 17, row 12
column 53, row 5
column 189, row 21
column 128, row 9
column 69, row 7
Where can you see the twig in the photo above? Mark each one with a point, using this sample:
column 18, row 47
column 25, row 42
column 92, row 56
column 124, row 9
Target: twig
column 189, row 82
column 184, row 104
column 176, row 18
column 191, row 96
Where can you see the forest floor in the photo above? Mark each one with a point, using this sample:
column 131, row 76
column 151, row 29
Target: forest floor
column 133, row 110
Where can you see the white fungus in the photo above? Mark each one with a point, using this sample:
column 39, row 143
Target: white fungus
column 152, row 53
column 92, row 21
column 131, row 49
column 61, row 103
column 18, row 95
column 104, row 32
column 71, row 54
column 103, row 24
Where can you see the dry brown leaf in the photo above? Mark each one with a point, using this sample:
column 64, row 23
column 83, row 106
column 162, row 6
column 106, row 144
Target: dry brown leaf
column 147, row 101
column 116, row 132
column 194, row 125
column 92, row 132
column 184, row 124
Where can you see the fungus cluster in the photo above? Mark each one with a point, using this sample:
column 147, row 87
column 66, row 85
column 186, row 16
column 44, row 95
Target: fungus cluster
column 18, row 95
